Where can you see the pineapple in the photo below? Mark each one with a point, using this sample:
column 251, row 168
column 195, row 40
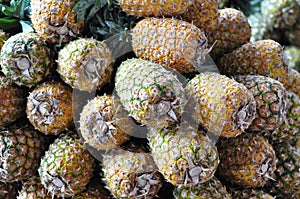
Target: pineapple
column 251, row 194
column 263, row 57
column 222, row 106
column 185, row 156
column 131, row 174
column 203, row 14
column 293, row 82
column 21, row 150
column 143, row 8
column 12, row 101
column 271, row 102
column 293, row 55
column 26, row 59
column 3, row 37
column 85, row 64
column 152, row 95
column 104, row 123
column 247, row 160
column 8, row 190
column 66, row 167
column 55, row 21
column 233, row 30
column 213, row 189
column 49, row 107
column 170, row 42
column 287, row 181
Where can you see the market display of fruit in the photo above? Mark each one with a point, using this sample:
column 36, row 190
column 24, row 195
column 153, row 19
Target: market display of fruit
column 137, row 99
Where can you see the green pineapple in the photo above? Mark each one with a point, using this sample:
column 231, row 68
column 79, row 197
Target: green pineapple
column 185, row 156
column 85, row 64
column 223, row 106
column 271, row 102
column 26, row 59
column 152, row 95
column 21, row 150
column 212, row 189
column 247, row 160
column 49, row 107
column 131, row 174
column 67, row 166
column 12, row 101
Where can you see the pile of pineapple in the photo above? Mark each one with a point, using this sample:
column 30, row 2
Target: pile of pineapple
column 175, row 101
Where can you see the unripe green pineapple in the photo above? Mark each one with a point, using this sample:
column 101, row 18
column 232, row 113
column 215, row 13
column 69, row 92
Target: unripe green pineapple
column 104, row 123
column 222, row 106
column 271, row 102
column 26, row 59
column 21, row 150
column 85, row 64
column 232, row 31
column 67, row 166
column 55, row 21
column 131, row 174
column 170, row 42
column 263, row 57
column 151, row 94
column 247, row 160
column 293, row 82
column 212, row 189
column 12, row 101
column 293, row 55
column 49, row 107
column 8, row 190
column 250, row 194
column 185, row 156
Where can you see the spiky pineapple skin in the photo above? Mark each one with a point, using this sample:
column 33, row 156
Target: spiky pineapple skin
column 185, row 156
column 55, row 21
column 203, row 14
column 130, row 174
column 247, row 160
column 293, row 82
column 143, row 8
column 232, row 31
column 104, row 124
column 152, row 95
column 271, row 102
column 267, row 59
column 85, row 64
column 12, row 101
column 26, row 59
column 213, row 189
column 21, row 150
column 8, row 190
column 251, row 194
column 222, row 105
column 171, row 42
column 49, row 107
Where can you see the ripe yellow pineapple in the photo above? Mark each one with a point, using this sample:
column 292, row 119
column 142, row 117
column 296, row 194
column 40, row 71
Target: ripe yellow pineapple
column 49, row 107
column 263, row 57
column 104, row 123
column 223, row 106
column 170, row 42
column 55, row 21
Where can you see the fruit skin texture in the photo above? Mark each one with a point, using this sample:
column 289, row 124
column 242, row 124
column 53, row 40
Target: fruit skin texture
column 247, row 160
column 55, row 21
column 232, row 31
column 21, row 150
column 12, row 101
column 131, row 174
column 26, row 59
column 143, row 8
column 85, row 64
column 271, row 102
column 8, row 190
column 212, row 189
column 185, row 156
column 104, row 124
column 170, row 42
column 3, row 37
column 222, row 105
column 49, row 107
column 152, row 95
column 67, row 166
column 251, row 194
column 263, row 57
column 293, row 82
column 203, row 14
